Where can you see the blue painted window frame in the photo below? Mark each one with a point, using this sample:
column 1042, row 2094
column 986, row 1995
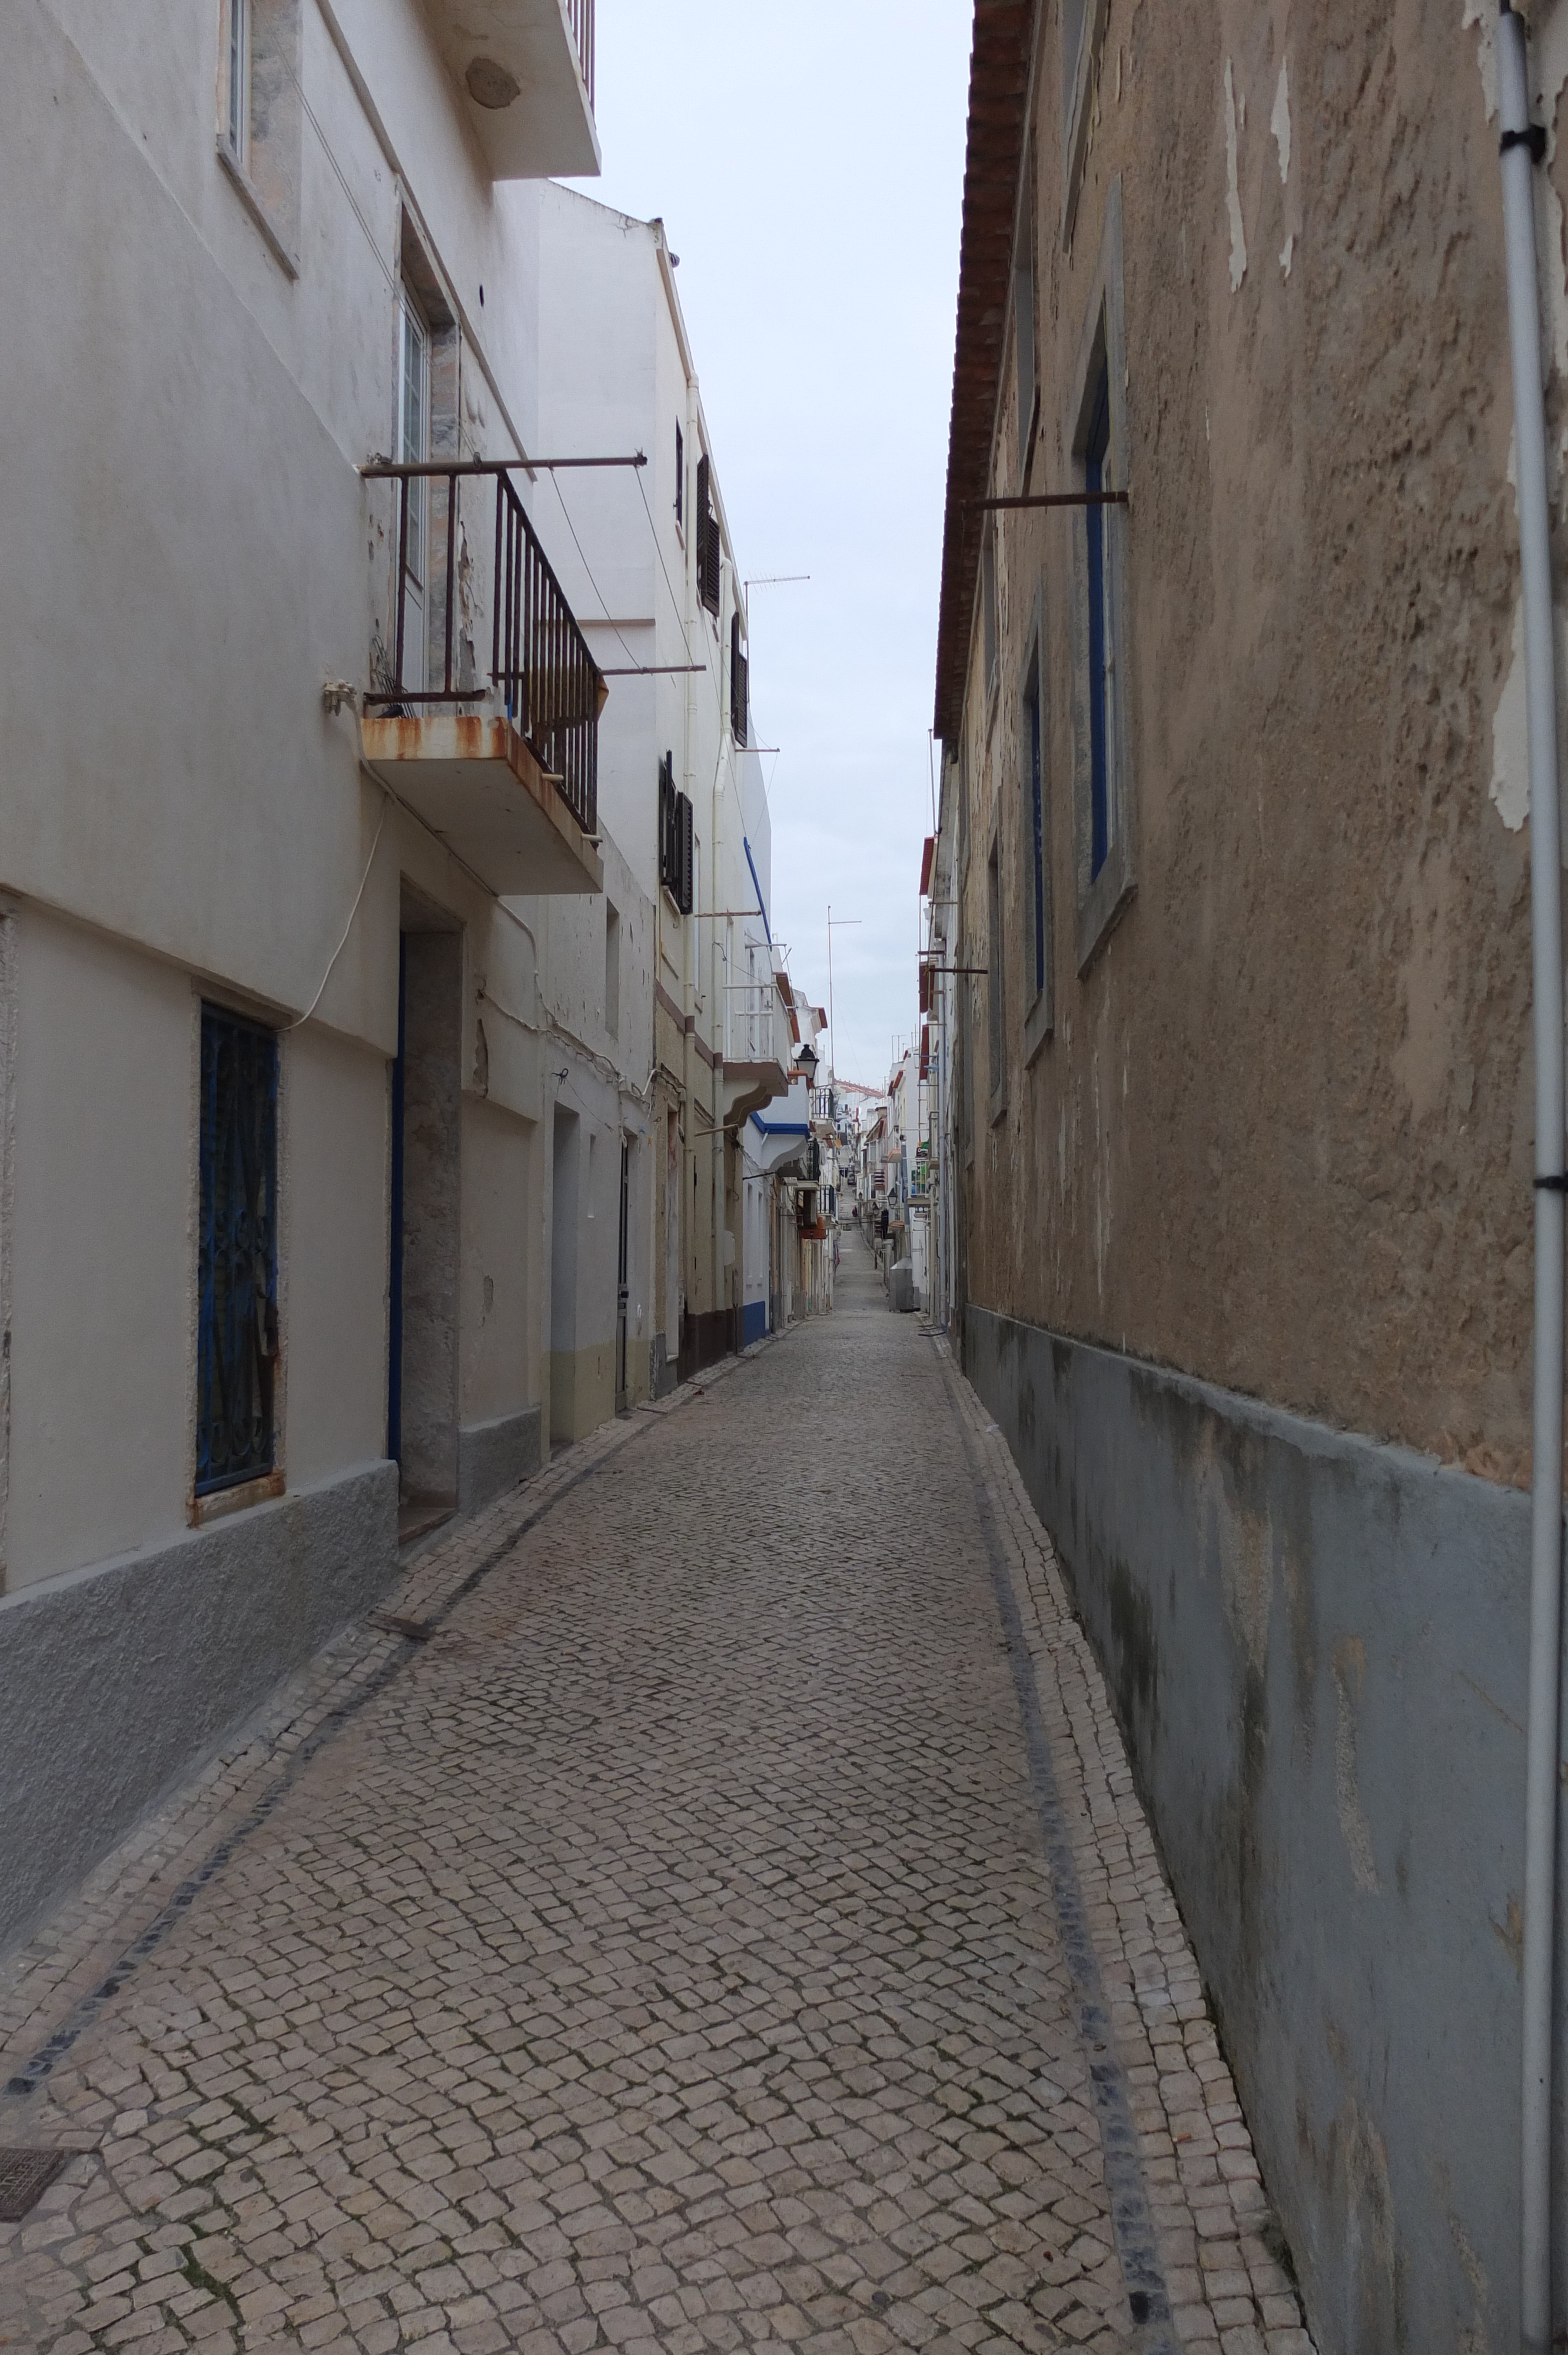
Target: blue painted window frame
column 1096, row 450
column 1037, row 822
column 236, row 1293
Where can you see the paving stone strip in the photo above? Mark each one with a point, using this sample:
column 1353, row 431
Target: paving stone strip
column 677, row 1950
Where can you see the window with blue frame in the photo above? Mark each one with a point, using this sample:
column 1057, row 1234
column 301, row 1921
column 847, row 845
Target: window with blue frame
column 1102, row 649
column 237, row 1338
column 1035, row 824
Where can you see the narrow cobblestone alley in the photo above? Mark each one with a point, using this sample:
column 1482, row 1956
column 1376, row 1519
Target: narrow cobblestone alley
column 711, row 1927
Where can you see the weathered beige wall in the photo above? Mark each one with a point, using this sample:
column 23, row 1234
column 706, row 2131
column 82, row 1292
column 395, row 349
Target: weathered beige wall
column 1282, row 1134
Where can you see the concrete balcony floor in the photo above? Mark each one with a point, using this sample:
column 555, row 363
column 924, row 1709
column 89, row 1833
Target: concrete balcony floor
column 475, row 782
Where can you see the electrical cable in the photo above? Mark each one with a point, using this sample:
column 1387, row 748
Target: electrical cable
column 593, row 584
column 343, row 944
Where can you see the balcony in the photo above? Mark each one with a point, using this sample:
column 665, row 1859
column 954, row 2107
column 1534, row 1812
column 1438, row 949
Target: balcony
column 754, row 1064
column 500, row 762
column 524, row 71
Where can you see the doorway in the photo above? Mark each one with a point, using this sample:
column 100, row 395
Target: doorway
column 565, row 1192
column 623, row 1273
column 426, row 1121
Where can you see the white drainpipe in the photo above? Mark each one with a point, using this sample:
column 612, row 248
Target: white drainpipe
column 1520, row 150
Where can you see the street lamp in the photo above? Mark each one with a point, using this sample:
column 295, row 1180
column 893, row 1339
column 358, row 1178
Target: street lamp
column 806, row 1063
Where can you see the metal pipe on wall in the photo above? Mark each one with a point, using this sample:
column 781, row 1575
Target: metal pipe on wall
column 1522, row 147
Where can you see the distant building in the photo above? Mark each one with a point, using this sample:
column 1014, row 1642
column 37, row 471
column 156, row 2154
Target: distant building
column 681, row 780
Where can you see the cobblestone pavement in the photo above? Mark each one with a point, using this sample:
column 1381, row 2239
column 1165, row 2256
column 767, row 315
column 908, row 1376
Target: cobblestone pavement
column 733, row 1928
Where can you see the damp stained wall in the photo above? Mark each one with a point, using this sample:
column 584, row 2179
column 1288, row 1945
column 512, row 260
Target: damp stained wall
column 1280, row 1134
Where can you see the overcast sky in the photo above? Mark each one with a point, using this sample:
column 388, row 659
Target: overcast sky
column 808, row 162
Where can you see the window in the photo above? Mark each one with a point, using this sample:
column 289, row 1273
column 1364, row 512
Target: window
column 1083, row 38
column 987, row 601
column 1026, row 331
column 1034, row 838
column 612, row 969
column 413, row 421
column 1102, row 629
column 676, row 853
column 710, row 550
column 994, row 980
column 738, row 681
column 961, row 780
column 237, row 1292
column 1104, row 802
column 1073, row 13
column 680, row 476
column 239, row 69
column 258, row 115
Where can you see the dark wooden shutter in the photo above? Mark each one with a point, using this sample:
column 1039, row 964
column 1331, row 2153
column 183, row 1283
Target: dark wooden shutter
column 683, row 895
column 669, row 836
column 737, row 682
column 680, row 475
column 709, row 547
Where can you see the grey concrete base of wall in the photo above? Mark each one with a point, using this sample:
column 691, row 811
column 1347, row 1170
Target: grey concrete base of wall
column 118, row 1679
column 1317, row 1648
column 661, row 1377
column 494, row 1457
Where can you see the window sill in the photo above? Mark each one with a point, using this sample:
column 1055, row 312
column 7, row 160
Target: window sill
column 997, row 1105
column 1038, row 1028
column 222, row 1502
column 1103, row 906
column 251, row 196
column 1075, row 149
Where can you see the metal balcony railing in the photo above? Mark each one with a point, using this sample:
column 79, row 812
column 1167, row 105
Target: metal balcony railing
column 582, row 14
column 540, row 667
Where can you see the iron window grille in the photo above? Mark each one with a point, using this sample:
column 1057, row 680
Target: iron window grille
column 237, row 1338
column 710, row 553
column 676, row 862
column 738, row 682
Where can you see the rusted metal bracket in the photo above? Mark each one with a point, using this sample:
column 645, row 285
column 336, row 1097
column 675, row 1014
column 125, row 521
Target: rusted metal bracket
column 377, row 469
column 1057, row 499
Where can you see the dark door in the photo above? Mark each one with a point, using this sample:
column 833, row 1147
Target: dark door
column 621, row 1277
column 395, row 1289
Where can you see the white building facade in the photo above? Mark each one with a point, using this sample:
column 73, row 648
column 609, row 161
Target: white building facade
column 326, row 1151
column 648, row 562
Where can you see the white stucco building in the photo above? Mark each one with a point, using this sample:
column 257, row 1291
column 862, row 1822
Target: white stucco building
column 648, row 564
column 326, row 990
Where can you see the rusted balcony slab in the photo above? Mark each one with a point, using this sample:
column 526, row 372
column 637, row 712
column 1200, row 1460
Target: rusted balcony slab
column 475, row 782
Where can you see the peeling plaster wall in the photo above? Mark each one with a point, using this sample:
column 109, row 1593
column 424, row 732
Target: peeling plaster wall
column 1278, row 1146
column 1281, row 1136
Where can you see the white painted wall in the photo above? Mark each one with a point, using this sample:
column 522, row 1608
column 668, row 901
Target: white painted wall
column 332, row 1152
column 102, row 1265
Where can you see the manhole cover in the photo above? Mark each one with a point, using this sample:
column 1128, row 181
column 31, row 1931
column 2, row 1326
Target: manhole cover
column 25, row 2176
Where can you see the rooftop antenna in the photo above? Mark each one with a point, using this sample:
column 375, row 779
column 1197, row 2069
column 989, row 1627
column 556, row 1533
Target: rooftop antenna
column 833, row 1029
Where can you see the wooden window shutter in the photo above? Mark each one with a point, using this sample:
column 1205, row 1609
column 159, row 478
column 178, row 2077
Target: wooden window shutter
column 669, row 831
column 737, row 682
column 683, row 895
column 709, row 545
